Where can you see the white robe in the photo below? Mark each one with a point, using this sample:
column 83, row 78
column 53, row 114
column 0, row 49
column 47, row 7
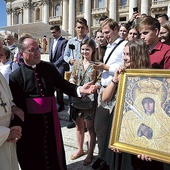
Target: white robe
column 8, row 157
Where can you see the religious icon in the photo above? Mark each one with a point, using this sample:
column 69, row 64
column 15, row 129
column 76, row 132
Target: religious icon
column 141, row 121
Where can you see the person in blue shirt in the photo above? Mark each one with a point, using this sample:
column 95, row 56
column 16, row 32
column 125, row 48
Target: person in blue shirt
column 72, row 50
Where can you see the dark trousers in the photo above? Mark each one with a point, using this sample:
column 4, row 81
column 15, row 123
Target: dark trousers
column 60, row 98
column 101, row 123
column 61, row 69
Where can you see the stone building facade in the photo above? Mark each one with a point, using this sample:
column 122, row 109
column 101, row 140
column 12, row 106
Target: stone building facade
column 65, row 12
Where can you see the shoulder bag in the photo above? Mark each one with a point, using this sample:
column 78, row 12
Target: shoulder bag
column 86, row 102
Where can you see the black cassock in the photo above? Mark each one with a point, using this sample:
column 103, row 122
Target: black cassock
column 41, row 145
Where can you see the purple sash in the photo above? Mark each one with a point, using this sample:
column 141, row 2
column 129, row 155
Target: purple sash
column 39, row 105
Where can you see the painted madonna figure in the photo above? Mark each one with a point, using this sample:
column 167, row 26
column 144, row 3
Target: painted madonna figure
column 146, row 123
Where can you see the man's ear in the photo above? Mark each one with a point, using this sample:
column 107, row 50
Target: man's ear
column 116, row 28
column 21, row 54
column 157, row 31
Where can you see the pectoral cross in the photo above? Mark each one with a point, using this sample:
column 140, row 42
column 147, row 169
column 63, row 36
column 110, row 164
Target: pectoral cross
column 3, row 104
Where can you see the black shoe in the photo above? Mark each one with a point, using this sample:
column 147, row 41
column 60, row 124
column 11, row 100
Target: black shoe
column 61, row 108
column 105, row 167
column 99, row 164
column 71, row 125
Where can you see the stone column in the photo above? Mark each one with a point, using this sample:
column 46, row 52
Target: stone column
column 144, row 7
column 113, row 9
column 9, row 13
column 9, row 16
column 26, row 12
column 65, row 15
column 14, row 16
column 46, row 12
column 168, row 10
column 72, row 17
column 132, row 4
column 87, row 13
column 95, row 3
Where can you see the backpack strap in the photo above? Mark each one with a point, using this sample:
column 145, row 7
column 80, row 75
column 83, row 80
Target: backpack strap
column 113, row 50
column 11, row 65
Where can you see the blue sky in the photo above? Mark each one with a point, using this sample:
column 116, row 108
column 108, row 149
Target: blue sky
column 3, row 17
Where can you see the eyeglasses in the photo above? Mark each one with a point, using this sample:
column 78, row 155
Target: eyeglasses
column 32, row 51
column 53, row 32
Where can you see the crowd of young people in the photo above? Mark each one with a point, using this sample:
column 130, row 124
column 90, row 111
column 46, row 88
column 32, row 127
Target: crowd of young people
column 142, row 43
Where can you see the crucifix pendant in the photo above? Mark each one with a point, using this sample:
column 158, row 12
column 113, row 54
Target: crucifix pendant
column 3, row 104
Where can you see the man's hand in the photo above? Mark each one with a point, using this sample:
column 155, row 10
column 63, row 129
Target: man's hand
column 17, row 111
column 71, row 62
column 133, row 17
column 87, row 88
column 100, row 66
column 94, row 87
column 15, row 134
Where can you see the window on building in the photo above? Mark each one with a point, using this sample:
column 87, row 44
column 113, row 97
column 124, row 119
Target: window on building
column 122, row 19
column 101, row 3
column 158, row 0
column 123, row 2
column 81, row 8
column 97, row 21
column 156, row 15
column 37, row 14
column 19, row 18
column 57, row 10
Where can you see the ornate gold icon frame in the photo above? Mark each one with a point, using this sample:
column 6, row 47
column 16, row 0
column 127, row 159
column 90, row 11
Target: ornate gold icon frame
column 141, row 123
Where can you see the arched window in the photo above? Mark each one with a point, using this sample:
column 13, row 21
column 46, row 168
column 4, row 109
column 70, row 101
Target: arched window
column 57, row 10
column 101, row 3
column 19, row 18
column 37, row 17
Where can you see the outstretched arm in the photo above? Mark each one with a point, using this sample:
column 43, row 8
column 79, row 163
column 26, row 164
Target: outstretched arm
column 87, row 88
